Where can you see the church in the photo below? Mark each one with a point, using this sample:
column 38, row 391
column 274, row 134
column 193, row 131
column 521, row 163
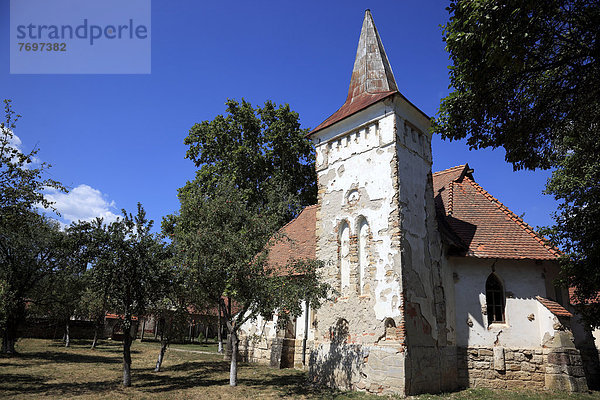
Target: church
column 439, row 286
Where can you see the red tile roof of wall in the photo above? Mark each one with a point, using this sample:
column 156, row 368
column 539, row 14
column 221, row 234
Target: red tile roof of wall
column 554, row 307
column 485, row 226
column 298, row 239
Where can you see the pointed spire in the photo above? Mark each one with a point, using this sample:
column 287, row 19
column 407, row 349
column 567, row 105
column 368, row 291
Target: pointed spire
column 372, row 78
column 372, row 73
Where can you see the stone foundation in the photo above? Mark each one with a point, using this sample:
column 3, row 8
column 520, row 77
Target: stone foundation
column 505, row 368
column 369, row 368
column 277, row 352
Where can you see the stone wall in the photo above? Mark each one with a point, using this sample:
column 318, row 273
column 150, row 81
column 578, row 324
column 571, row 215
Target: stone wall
column 378, row 369
column 276, row 352
column 506, row 368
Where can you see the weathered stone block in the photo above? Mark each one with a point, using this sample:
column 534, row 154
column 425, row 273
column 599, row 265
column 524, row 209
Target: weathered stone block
column 482, row 365
column 528, row 367
column 558, row 358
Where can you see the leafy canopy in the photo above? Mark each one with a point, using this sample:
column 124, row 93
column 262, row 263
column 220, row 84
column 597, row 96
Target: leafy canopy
column 29, row 242
column 525, row 77
column 263, row 152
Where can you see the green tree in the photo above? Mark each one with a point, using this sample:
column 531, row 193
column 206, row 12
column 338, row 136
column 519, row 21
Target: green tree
column 263, row 152
column 92, row 306
column 58, row 294
column 134, row 259
column 256, row 172
column 29, row 242
column 524, row 76
column 224, row 242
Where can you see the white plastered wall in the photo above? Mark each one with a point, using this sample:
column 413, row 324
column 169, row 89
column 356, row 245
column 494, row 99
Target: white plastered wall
column 526, row 320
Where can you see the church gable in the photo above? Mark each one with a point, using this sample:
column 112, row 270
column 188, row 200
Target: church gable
column 485, row 226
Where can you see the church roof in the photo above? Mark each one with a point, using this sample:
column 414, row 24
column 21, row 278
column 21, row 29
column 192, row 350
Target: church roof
column 372, row 77
column 298, row 239
column 485, row 226
column 469, row 218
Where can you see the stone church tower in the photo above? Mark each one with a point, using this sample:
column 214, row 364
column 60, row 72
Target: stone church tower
column 388, row 329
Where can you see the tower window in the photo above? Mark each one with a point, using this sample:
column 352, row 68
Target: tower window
column 344, row 254
column 363, row 257
column 494, row 297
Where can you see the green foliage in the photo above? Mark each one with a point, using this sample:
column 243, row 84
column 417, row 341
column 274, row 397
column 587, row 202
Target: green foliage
column 29, row 242
column 59, row 292
column 256, row 172
column 576, row 181
column 263, row 152
column 129, row 263
column 525, row 77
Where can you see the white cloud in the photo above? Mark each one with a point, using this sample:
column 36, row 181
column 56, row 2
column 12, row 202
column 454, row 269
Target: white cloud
column 15, row 142
column 83, row 203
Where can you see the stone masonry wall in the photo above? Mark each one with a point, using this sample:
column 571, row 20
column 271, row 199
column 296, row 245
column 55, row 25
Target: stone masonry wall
column 504, row 368
column 378, row 369
column 276, row 352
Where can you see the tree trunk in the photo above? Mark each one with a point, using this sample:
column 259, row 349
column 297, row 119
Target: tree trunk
column 95, row 341
column 126, row 357
column 234, row 354
column 143, row 329
column 163, row 348
column 9, row 338
column 68, row 333
column 219, row 330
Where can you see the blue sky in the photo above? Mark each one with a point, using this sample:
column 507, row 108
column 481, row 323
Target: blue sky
column 118, row 139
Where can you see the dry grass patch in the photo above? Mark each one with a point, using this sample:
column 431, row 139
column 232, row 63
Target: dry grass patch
column 45, row 368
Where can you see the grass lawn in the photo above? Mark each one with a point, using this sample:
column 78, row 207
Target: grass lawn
column 45, row 368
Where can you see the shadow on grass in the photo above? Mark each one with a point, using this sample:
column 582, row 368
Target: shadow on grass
column 67, row 357
column 210, row 373
column 184, row 375
column 23, row 384
column 294, row 385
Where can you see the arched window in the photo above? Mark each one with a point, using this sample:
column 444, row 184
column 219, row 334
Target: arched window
column 494, row 298
column 344, row 255
column 363, row 257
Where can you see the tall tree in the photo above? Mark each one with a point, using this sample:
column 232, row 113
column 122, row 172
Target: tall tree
column 134, row 259
column 58, row 295
column 224, row 244
column 28, row 240
column 256, row 172
column 525, row 77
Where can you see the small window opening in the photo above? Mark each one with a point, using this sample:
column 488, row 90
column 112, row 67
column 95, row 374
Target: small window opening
column 494, row 297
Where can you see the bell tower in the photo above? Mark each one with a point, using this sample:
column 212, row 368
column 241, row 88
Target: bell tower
column 387, row 329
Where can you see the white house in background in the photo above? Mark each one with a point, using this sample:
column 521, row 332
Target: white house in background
column 440, row 286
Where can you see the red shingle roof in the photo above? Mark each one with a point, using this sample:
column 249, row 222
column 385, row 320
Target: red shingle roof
column 485, row 226
column 575, row 301
column 298, row 239
column 351, row 106
column 554, row 307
